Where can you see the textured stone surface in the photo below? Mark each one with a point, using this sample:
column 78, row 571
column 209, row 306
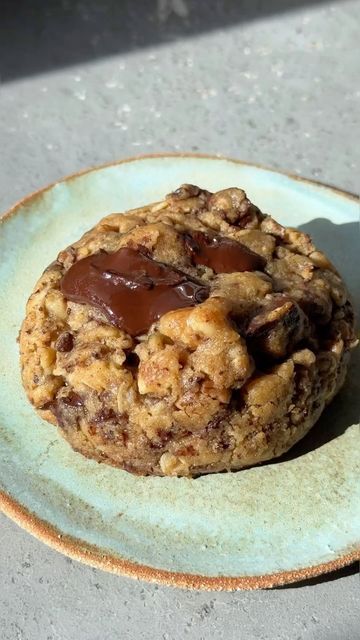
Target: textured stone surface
column 280, row 89
column 45, row 596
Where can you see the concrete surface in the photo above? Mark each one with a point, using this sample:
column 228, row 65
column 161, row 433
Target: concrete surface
column 85, row 83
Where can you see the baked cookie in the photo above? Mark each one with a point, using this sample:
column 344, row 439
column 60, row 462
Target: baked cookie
column 189, row 336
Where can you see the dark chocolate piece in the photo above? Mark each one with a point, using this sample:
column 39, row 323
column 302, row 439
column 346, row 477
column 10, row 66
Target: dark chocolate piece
column 65, row 342
column 131, row 288
column 221, row 254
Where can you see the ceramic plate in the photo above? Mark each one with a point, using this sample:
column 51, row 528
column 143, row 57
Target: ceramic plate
column 265, row 526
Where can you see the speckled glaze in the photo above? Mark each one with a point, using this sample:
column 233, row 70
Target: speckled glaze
column 268, row 525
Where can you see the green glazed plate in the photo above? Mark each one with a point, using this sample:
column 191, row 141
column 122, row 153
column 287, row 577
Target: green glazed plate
column 277, row 523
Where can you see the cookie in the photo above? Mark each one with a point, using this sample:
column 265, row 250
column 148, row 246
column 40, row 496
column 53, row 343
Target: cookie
column 189, row 336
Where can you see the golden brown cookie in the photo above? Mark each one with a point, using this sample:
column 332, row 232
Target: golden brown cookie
column 189, row 336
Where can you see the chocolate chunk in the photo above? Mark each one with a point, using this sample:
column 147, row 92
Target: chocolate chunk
column 106, row 415
column 216, row 421
column 277, row 327
column 47, row 405
column 315, row 301
column 266, row 315
column 131, row 288
column 162, row 438
column 221, row 254
column 185, row 191
column 65, row 342
column 64, row 407
column 72, row 399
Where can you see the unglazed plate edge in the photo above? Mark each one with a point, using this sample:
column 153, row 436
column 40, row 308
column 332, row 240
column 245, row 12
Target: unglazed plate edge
column 102, row 559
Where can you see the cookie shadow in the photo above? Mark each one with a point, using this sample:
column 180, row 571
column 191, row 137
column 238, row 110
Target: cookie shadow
column 341, row 244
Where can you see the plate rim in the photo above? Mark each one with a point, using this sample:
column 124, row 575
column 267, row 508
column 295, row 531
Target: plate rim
column 173, row 154
column 103, row 559
column 94, row 556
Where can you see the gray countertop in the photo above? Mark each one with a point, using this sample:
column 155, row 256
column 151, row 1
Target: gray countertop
column 86, row 82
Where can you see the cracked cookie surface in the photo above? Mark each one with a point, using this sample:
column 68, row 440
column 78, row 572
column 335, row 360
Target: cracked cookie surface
column 189, row 336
